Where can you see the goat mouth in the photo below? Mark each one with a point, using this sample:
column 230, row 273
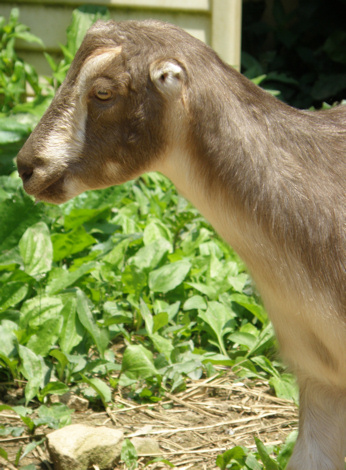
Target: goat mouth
column 51, row 191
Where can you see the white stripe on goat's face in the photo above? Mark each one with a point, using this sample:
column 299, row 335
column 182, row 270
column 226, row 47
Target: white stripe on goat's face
column 66, row 140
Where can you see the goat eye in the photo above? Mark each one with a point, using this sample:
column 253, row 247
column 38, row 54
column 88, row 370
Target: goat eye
column 103, row 94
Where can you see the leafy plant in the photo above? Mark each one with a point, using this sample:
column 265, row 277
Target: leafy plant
column 15, row 74
column 82, row 18
column 300, row 52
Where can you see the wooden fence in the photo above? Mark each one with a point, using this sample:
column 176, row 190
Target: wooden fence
column 216, row 22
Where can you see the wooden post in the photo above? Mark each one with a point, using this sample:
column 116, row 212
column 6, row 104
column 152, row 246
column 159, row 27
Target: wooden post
column 226, row 30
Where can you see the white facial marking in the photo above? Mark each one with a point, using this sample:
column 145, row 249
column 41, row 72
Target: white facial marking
column 95, row 63
column 66, row 140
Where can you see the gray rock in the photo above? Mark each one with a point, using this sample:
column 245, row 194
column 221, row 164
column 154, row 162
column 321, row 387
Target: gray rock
column 78, row 447
column 74, row 401
column 145, row 446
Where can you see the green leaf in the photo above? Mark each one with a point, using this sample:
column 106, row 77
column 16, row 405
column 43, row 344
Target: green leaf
column 30, row 447
column 82, row 18
column 86, row 318
column 66, row 244
column 72, row 330
column 147, row 316
column 195, row 302
column 11, row 294
column 54, row 388
column 156, row 230
column 59, row 278
column 40, row 309
column 287, row 449
column 42, row 341
column 268, row 462
column 34, row 370
column 170, row 276
column 134, row 280
column 266, row 340
column 245, row 339
column 160, row 320
column 101, row 388
column 16, row 215
column 285, row 387
column 36, row 249
column 129, row 455
column 248, row 303
column 221, row 321
column 3, row 453
column 138, row 363
column 149, row 256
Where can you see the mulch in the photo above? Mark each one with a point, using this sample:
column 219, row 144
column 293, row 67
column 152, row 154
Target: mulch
column 192, row 427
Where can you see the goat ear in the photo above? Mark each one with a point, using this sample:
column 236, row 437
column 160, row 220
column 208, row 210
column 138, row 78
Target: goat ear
column 168, row 76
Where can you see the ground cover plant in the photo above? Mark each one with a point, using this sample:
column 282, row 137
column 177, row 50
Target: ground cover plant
column 126, row 288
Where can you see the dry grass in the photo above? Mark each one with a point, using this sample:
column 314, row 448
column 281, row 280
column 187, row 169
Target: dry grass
column 192, row 427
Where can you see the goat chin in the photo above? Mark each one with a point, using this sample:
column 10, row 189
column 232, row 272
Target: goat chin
column 146, row 96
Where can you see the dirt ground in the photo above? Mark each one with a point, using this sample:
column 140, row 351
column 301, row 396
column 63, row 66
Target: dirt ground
column 192, row 428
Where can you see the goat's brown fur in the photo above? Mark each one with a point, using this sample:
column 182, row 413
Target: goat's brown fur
column 270, row 178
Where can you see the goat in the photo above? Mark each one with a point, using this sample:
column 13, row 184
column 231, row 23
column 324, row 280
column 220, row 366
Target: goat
column 146, row 96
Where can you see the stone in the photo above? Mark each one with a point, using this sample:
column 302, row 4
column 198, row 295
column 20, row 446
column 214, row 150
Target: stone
column 145, row 446
column 78, row 447
column 74, row 402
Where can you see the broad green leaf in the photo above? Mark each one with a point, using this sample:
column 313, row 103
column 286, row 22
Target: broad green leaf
column 156, row 230
column 11, row 294
column 147, row 316
column 246, row 339
column 138, row 363
column 29, row 448
column 287, row 449
column 11, row 130
column 266, row 340
column 66, row 244
column 221, row 321
column 16, row 215
column 36, row 249
column 100, row 336
column 101, row 388
column 169, row 276
column 72, row 330
column 37, row 310
column 46, row 337
column 56, row 388
column 269, row 463
column 59, row 278
column 149, row 256
column 129, row 455
column 79, row 217
column 248, row 303
column 162, row 345
column 266, row 365
column 160, row 320
column 82, row 18
column 195, row 302
column 134, row 280
column 58, row 412
column 285, row 386
column 34, row 370
column 209, row 291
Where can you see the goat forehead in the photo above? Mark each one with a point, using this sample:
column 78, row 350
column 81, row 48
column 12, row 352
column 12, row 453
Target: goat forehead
column 99, row 60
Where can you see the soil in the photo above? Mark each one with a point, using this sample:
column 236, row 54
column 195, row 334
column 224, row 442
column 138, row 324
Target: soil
column 192, row 427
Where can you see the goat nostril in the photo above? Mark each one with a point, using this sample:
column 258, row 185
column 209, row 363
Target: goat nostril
column 25, row 173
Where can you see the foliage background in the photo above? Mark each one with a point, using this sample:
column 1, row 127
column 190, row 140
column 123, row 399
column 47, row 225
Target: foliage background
column 301, row 52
